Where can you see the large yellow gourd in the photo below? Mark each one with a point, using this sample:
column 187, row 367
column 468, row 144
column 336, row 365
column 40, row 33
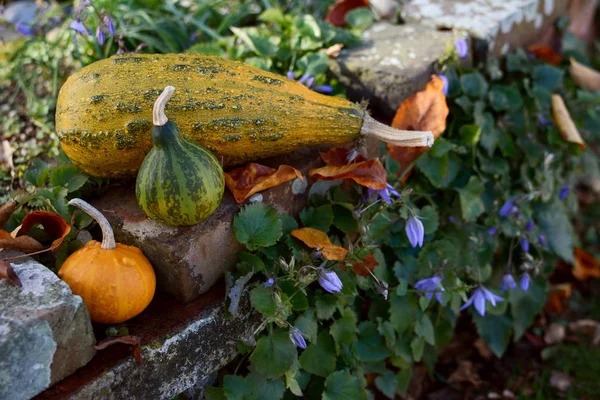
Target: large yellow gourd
column 240, row 113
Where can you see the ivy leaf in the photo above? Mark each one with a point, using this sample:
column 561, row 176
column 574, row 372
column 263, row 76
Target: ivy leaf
column 37, row 173
column 417, row 346
column 424, row 328
column 401, row 312
column 307, row 324
column 319, row 358
column 344, row 220
column 341, row 385
column 325, row 305
column 556, row 226
column 214, row 393
column 429, row 217
column 69, row 176
column 440, row 171
column 387, row 384
column 525, row 305
column 548, row 77
column 474, row 85
column 250, row 262
column 274, row 355
column 257, row 225
column 319, row 218
column 403, row 380
column 262, row 299
column 343, row 329
column 238, row 388
column 267, row 389
column 470, row 199
column 495, row 330
column 370, row 346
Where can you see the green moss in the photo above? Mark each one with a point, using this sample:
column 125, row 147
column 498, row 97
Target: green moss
column 234, row 137
column 123, row 141
column 128, row 108
column 127, row 60
column 152, row 94
column 267, row 80
column 138, row 126
column 97, row 98
column 237, row 107
column 179, row 67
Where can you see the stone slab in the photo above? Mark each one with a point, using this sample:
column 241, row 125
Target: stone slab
column 45, row 330
column 498, row 25
column 392, row 63
column 182, row 346
column 189, row 260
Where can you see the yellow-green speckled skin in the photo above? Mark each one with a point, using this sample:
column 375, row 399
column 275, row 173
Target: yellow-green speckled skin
column 240, row 113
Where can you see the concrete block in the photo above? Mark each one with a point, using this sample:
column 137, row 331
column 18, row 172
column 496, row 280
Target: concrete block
column 45, row 330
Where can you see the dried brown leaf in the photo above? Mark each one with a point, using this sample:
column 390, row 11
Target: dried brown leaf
column 6, row 211
column 586, row 265
column 336, row 15
column 24, row 243
column 245, row 181
column 564, row 123
column 54, row 226
column 366, row 173
column 129, row 340
column 7, row 272
column 545, row 53
column 316, row 239
column 334, row 51
column 584, row 76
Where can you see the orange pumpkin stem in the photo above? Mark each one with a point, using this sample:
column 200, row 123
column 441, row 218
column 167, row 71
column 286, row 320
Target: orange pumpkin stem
column 396, row 137
column 158, row 112
column 108, row 237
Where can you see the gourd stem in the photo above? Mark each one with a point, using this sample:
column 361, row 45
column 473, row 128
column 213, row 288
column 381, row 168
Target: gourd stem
column 158, row 112
column 108, row 237
column 397, row 137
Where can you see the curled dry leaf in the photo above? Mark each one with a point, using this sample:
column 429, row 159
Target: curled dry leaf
column 545, row 53
column 130, row 340
column 316, row 239
column 24, row 243
column 338, row 157
column 6, row 211
column 245, row 181
column 586, row 265
column 556, row 296
column 426, row 110
column 366, row 173
column 584, row 76
column 564, row 123
column 54, row 226
column 7, row 272
column 334, row 51
column 336, row 15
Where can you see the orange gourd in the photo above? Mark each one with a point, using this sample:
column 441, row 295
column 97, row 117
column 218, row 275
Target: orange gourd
column 115, row 281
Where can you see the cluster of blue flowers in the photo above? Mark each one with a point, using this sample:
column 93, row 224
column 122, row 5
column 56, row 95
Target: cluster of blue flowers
column 309, row 81
column 106, row 23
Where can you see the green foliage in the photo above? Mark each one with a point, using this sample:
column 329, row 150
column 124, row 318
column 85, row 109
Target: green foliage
column 257, row 225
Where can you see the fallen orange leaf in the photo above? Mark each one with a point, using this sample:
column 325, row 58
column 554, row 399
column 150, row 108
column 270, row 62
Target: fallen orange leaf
column 25, row 243
column 584, row 76
column 556, row 296
column 338, row 156
column 363, row 266
column 424, row 111
column 245, row 181
column 336, row 15
column 366, row 173
column 586, row 265
column 545, row 53
column 316, row 239
column 564, row 123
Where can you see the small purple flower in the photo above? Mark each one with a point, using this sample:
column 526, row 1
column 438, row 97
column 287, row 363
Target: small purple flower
column 525, row 244
column 324, row 89
column 384, row 194
column 493, row 230
column 297, row 338
column 78, row 27
column 269, row 282
column 431, row 286
column 462, row 47
column 452, row 219
column 110, row 26
column 529, row 226
column 100, row 36
column 290, row 74
column 542, row 240
column 445, row 87
column 304, row 78
column 478, row 299
column 310, row 82
column 564, row 192
column 525, row 280
column 541, row 120
column 506, row 207
column 415, row 231
column 507, row 282
column 24, row 30
column 330, row 281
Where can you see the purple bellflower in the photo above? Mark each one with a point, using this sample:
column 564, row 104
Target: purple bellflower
column 525, row 281
column 445, row 87
column 330, row 281
column 110, row 26
column 462, row 47
column 297, row 338
column 431, row 286
column 506, row 207
column 542, row 240
column 308, row 80
column 564, row 192
column 415, row 231
column 384, row 194
column 493, row 230
column 78, row 27
column 507, row 282
column 529, row 226
column 478, row 299
column 24, row 30
column 100, row 36
column 524, row 244
column 269, row 282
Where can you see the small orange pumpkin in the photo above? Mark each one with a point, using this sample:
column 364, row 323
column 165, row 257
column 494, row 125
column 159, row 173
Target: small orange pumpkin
column 115, row 281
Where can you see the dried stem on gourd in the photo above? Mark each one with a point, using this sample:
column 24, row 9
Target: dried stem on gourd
column 397, row 137
column 158, row 112
column 108, row 237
